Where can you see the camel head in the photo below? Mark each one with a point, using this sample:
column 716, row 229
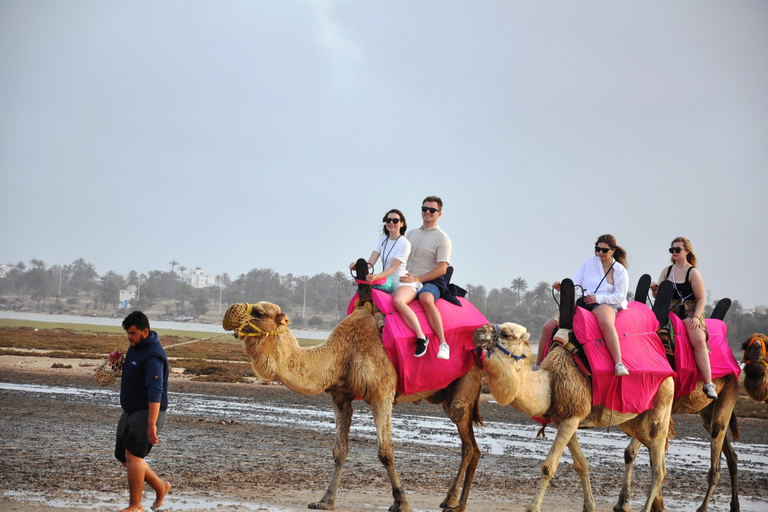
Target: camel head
column 508, row 352
column 505, row 337
column 260, row 319
column 756, row 367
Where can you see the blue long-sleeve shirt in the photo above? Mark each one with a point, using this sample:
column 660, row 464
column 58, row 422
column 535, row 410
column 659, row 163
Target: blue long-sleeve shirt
column 145, row 376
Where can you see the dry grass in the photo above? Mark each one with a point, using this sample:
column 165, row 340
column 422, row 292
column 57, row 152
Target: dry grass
column 210, row 357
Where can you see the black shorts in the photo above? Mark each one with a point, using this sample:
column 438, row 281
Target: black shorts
column 132, row 434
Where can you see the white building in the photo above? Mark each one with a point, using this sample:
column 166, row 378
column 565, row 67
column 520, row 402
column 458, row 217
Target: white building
column 126, row 296
column 198, row 279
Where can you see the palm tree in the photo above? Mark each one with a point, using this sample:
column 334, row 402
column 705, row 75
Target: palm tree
column 173, row 264
column 519, row 285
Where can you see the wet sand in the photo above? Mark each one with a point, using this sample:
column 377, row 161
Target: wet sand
column 56, row 454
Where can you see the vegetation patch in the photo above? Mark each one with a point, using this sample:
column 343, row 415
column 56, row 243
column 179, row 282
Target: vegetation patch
column 61, row 365
column 208, row 371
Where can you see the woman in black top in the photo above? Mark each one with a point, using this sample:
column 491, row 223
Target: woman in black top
column 688, row 303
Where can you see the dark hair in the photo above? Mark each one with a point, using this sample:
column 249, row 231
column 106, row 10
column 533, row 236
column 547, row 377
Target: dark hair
column 136, row 319
column 619, row 253
column 403, row 225
column 690, row 257
column 433, row 199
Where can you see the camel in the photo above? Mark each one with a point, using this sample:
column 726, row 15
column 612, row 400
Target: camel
column 756, row 367
column 560, row 392
column 352, row 363
column 717, row 416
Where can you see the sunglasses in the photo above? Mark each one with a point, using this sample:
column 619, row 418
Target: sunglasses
column 429, row 209
column 393, row 221
column 678, row 250
column 604, row 250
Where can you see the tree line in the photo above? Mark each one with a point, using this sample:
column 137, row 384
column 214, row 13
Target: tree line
column 320, row 300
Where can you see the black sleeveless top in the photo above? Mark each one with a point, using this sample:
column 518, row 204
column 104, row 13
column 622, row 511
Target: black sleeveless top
column 684, row 290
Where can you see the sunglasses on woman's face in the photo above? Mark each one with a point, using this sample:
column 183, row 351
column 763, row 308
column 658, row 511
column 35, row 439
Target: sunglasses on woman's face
column 393, row 221
column 604, row 250
column 678, row 250
column 429, row 209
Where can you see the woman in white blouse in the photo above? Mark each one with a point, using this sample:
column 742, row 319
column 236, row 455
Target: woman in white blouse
column 604, row 283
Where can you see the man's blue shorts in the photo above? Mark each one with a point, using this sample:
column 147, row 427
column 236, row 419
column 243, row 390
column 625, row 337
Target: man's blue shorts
column 430, row 288
column 132, row 434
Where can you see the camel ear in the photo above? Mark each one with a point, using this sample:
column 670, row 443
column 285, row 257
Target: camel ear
column 282, row 319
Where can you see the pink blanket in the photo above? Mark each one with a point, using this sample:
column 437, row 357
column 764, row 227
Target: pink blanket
column 427, row 372
column 641, row 352
column 721, row 358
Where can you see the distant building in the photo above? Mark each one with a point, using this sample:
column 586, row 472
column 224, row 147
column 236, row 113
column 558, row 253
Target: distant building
column 4, row 269
column 760, row 309
column 198, row 279
column 126, row 296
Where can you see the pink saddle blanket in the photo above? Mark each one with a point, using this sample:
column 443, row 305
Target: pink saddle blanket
column 416, row 374
column 721, row 358
column 641, row 352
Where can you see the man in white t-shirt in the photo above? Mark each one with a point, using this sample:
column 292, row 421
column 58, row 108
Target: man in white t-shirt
column 428, row 261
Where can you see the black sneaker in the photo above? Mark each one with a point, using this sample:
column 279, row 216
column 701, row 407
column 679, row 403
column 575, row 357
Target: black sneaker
column 421, row 346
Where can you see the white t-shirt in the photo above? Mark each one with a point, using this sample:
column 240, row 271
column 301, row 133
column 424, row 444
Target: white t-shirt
column 391, row 250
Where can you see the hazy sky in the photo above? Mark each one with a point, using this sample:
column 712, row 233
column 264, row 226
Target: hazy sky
column 233, row 135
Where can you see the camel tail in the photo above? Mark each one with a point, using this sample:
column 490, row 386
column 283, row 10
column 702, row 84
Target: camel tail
column 734, row 425
column 671, row 434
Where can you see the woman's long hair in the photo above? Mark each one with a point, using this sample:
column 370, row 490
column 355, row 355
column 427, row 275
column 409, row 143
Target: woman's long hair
column 619, row 254
column 690, row 257
column 403, row 225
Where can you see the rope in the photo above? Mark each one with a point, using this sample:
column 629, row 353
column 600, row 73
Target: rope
column 195, row 341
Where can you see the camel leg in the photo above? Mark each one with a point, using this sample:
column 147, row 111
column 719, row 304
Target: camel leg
column 460, row 411
column 582, row 468
column 732, row 459
column 565, row 431
column 716, row 424
column 342, row 408
column 630, row 454
column 382, row 417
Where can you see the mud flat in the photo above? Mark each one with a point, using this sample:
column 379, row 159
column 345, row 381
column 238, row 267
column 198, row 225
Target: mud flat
column 254, row 447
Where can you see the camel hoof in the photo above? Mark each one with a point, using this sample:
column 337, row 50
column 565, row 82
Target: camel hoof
column 448, row 508
column 321, row 506
column 400, row 507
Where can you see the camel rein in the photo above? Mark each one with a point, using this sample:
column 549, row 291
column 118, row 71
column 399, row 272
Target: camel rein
column 762, row 346
column 495, row 338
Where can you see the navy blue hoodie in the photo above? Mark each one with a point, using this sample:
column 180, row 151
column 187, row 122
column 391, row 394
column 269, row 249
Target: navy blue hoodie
column 145, row 376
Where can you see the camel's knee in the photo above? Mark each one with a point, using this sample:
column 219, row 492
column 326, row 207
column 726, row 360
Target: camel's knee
column 387, row 458
column 630, row 454
column 548, row 470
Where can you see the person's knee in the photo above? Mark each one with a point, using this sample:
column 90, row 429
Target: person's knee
column 426, row 299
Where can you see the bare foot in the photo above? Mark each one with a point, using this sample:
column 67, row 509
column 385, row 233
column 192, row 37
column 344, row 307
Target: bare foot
column 132, row 509
column 159, row 499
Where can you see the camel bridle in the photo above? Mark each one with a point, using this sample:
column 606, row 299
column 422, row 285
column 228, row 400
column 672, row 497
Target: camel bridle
column 495, row 338
column 255, row 330
column 762, row 349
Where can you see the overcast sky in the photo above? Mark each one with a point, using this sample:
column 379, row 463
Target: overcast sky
column 233, row 135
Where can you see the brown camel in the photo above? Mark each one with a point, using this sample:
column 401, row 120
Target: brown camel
column 717, row 415
column 351, row 364
column 756, row 367
column 560, row 392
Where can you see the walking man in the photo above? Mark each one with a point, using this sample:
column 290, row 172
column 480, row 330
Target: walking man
column 427, row 264
column 144, row 399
